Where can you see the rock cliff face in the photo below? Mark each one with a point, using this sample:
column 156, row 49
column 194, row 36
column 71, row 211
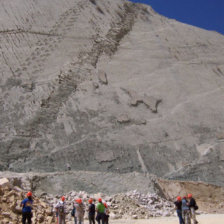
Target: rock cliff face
column 100, row 85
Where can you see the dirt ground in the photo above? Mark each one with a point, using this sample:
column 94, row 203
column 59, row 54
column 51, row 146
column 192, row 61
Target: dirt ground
column 202, row 219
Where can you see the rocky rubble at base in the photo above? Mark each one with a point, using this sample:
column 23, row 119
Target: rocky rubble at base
column 10, row 210
column 130, row 205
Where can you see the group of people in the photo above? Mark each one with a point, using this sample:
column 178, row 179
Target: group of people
column 100, row 212
column 186, row 208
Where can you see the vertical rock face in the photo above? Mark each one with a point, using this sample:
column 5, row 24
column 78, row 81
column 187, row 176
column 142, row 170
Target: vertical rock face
column 55, row 108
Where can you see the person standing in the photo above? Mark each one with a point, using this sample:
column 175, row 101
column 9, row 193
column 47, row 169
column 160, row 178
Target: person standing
column 106, row 216
column 73, row 214
column 80, row 211
column 61, row 210
column 178, row 204
column 100, row 211
column 91, row 211
column 26, row 205
column 193, row 206
column 185, row 211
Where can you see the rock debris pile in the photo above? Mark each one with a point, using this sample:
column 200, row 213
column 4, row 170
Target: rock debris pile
column 155, row 205
column 140, row 206
column 130, row 205
column 10, row 210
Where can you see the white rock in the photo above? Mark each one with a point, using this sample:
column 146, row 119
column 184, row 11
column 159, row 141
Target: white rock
column 4, row 182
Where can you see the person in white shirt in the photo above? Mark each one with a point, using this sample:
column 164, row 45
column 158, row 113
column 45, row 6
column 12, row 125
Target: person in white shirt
column 61, row 210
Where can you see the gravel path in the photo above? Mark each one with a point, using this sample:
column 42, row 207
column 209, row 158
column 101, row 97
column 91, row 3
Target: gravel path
column 203, row 219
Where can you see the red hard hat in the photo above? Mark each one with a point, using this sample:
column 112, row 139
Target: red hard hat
column 184, row 197
column 178, row 198
column 63, row 198
column 29, row 194
column 100, row 200
column 90, row 201
column 189, row 195
column 105, row 204
column 79, row 200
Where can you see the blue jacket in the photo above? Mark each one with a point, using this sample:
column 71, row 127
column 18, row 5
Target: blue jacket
column 27, row 205
column 184, row 205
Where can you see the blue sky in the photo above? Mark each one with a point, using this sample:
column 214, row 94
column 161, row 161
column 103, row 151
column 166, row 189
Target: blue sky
column 207, row 14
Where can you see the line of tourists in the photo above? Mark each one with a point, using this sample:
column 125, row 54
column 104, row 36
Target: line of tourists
column 100, row 212
column 186, row 208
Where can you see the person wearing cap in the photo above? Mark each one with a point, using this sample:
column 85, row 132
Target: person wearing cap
column 26, row 205
column 100, row 211
column 193, row 206
column 80, row 211
column 106, row 211
column 61, row 210
column 91, row 211
column 185, row 211
column 178, row 204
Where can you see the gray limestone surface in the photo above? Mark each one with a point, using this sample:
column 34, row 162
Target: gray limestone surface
column 109, row 86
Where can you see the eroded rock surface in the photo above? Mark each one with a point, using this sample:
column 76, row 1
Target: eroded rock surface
column 54, row 110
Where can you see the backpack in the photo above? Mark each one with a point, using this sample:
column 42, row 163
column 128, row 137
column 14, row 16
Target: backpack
column 61, row 210
column 196, row 207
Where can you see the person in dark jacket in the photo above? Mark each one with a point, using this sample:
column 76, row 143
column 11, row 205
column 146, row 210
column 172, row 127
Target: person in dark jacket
column 73, row 214
column 26, row 205
column 91, row 211
column 178, row 204
column 193, row 207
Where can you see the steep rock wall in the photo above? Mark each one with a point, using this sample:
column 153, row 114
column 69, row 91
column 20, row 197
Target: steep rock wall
column 109, row 86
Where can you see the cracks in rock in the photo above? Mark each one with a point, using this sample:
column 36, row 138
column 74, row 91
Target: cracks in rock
column 47, row 45
column 93, row 2
column 18, row 31
column 150, row 102
column 117, row 32
column 50, row 108
column 41, row 33
column 218, row 71
column 115, row 35
column 141, row 161
column 43, row 119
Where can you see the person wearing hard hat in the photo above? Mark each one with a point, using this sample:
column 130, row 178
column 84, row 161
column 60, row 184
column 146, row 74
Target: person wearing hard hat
column 61, row 210
column 193, row 207
column 26, row 205
column 106, row 211
column 100, row 208
column 178, row 204
column 80, row 211
column 91, row 211
column 185, row 211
